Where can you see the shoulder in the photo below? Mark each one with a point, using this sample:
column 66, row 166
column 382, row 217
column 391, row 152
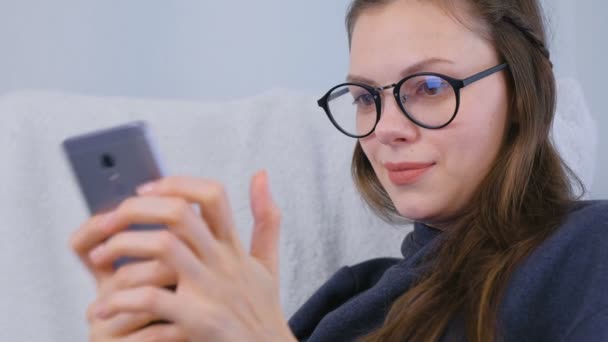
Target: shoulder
column 579, row 245
column 564, row 280
column 593, row 214
column 586, row 225
column 346, row 283
column 367, row 273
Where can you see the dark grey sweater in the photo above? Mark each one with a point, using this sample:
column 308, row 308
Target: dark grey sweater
column 559, row 293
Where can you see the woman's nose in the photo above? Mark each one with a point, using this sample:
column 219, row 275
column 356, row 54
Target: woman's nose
column 393, row 126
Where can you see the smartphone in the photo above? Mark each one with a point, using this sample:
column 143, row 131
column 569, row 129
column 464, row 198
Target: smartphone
column 109, row 165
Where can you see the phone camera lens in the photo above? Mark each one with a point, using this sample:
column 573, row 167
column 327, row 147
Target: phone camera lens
column 107, row 161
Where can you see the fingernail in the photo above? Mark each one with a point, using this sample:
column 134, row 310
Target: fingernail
column 146, row 188
column 97, row 254
column 101, row 312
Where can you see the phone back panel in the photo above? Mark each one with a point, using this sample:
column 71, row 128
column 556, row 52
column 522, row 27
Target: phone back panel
column 110, row 164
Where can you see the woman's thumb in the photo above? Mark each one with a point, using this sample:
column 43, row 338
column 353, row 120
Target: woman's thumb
column 266, row 223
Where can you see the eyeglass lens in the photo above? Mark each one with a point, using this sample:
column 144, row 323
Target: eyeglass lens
column 427, row 99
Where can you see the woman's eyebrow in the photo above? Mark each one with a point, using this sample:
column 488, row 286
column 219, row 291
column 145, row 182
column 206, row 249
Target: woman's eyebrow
column 420, row 66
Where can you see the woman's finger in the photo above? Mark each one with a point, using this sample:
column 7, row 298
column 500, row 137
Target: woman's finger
column 147, row 299
column 141, row 273
column 90, row 234
column 267, row 221
column 157, row 244
column 173, row 212
column 209, row 195
column 157, row 332
column 122, row 324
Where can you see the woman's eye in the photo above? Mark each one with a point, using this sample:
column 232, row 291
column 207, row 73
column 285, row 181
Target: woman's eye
column 433, row 87
column 364, row 100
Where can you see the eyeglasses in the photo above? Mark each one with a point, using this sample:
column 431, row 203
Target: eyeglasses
column 428, row 99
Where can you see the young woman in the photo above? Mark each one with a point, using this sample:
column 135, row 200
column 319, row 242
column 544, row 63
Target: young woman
column 451, row 103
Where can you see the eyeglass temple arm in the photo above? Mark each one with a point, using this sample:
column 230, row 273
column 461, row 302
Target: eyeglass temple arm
column 483, row 74
column 465, row 82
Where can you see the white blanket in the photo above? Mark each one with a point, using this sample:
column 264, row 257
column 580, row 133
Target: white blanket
column 325, row 225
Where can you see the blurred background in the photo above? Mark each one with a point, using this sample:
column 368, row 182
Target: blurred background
column 217, row 50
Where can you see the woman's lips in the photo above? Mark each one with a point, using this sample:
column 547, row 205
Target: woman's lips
column 406, row 173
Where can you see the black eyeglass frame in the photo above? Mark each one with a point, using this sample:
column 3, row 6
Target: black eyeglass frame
column 457, row 85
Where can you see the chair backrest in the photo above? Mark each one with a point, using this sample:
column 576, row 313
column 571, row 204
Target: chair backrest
column 325, row 223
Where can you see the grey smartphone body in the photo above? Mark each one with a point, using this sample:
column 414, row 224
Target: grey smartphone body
column 109, row 165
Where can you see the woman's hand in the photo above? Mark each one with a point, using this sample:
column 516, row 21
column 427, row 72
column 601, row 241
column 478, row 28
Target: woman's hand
column 223, row 293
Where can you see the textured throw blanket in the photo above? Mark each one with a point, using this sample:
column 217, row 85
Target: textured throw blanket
column 45, row 291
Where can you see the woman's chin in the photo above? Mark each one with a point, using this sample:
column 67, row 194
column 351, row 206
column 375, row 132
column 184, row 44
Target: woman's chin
column 430, row 212
column 415, row 212
column 420, row 203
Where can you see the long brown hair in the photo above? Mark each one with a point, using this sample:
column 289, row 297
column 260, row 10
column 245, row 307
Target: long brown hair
column 522, row 199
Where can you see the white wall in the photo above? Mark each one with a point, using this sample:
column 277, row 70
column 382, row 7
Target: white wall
column 580, row 45
column 591, row 48
column 189, row 49
column 214, row 50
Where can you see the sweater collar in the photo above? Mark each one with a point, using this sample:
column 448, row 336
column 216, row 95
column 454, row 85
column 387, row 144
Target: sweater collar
column 418, row 238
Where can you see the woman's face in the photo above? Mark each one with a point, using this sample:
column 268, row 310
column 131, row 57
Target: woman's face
column 405, row 37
